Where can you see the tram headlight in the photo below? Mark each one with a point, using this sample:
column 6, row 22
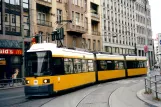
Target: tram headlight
column 27, row 81
column 46, row 81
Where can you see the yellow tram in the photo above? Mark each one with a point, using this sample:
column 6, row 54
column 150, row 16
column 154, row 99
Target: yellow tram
column 50, row 69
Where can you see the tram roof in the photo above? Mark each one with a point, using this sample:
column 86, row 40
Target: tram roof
column 109, row 57
column 141, row 58
column 60, row 52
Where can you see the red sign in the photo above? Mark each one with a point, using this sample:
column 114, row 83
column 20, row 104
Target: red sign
column 11, row 51
column 145, row 48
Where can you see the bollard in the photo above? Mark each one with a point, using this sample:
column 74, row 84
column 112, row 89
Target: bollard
column 156, row 90
column 150, row 91
column 145, row 86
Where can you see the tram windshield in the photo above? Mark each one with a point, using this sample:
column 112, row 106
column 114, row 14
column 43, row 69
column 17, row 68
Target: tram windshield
column 38, row 63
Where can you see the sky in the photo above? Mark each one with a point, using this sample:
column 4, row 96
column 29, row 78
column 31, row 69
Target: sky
column 155, row 16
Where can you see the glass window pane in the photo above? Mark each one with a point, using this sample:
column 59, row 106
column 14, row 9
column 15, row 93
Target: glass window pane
column 7, row 1
column 77, row 66
column 25, row 5
column 68, row 66
column 25, row 1
column 17, row 2
column 12, row 2
column 17, row 23
column 0, row 21
column 90, row 65
column 84, row 66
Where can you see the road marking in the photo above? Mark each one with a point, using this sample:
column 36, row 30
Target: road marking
column 8, row 98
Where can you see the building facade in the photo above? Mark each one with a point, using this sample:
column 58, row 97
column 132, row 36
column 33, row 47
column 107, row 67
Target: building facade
column 13, row 15
column 143, row 29
column 83, row 32
column 124, row 27
column 157, row 44
column 118, row 26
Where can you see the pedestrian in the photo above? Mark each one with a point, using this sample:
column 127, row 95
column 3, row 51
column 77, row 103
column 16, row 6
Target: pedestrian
column 14, row 76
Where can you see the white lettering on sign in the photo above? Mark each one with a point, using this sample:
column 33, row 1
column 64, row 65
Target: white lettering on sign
column 6, row 51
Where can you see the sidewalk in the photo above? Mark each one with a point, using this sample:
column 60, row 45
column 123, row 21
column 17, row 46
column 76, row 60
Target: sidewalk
column 150, row 98
column 16, row 85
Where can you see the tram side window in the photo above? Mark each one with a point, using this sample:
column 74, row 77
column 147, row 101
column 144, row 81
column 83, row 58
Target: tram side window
column 103, row 65
column 130, row 64
column 77, row 65
column 68, row 66
column 134, row 64
column 110, row 65
column 90, row 65
column 119, row 65
column 142, row 64
column 57, row 66
column 84, row 66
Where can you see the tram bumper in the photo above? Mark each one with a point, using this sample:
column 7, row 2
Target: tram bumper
column 42, row 90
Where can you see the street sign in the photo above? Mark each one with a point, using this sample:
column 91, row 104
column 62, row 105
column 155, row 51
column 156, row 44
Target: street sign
column 145, row 48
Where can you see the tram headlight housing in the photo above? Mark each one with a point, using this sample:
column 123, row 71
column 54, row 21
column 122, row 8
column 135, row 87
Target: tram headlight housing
column 46, row 81
column 27, row 81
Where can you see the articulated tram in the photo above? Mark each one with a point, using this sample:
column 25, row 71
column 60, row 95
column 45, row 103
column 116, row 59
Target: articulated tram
column 50, row 69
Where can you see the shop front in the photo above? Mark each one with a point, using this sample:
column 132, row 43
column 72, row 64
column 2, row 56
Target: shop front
column 10, row 62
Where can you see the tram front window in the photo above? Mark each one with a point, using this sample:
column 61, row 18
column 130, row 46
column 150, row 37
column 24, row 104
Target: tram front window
column 38, row 63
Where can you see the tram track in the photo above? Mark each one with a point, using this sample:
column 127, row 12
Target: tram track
column 31, row 100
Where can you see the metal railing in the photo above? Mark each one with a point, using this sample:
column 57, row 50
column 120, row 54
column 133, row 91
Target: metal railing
column 152, row 84
column 44, row 23
column 11, row 82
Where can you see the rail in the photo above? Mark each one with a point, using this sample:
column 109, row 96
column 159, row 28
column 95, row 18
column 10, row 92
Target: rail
column 12, row 82
column 151, row 84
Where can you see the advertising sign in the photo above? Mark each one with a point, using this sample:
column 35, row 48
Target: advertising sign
column 11, row 51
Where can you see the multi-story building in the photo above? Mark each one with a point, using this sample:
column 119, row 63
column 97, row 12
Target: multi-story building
column 13, row 15
column 118, row 26
column 124, row 27
column 92, row 39
column 157, row 44
column 43, row 15
column 156, row 51
column 83, row 32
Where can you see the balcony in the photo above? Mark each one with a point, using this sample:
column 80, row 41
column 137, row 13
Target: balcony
column 96, row 33
column 76, row 28
column 95, row 17
column 47, row 3
column 44, row 23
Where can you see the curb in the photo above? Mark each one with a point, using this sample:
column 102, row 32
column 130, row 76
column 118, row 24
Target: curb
column 140, row 96
column 11, row 87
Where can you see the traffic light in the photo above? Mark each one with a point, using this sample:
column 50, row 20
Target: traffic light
column 53, row 35
column 61, row 35
column 37, row 38
column 58, row 34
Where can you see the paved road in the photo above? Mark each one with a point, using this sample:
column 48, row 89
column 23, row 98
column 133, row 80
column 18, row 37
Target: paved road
column 121, row 93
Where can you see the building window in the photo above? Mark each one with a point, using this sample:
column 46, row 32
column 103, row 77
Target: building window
column 41, row 18
column 82, row 20
column 74, row 42
column 77, row 15
column 83, row 43
column 57, row 0
column 13, row 19
column 59, row 15
column 99, row 45
column 89, row 44
column 76, row 2
column 6, row 17
column 72, row 15
column 94, row 45
column 0, row 21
